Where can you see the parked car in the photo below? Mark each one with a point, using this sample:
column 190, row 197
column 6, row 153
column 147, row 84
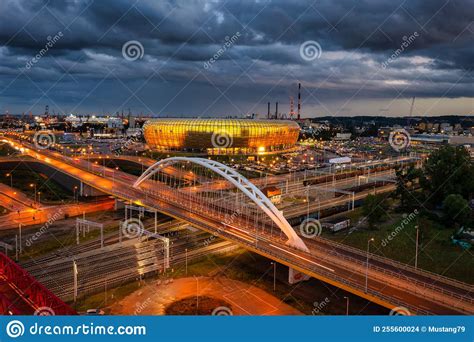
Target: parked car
column 95, row 312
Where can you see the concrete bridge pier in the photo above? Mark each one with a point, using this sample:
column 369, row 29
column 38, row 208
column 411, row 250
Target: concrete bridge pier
column 295, row 276
column 88, row 191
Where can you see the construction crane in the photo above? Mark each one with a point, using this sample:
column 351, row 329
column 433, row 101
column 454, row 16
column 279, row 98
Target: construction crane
column 411, row 110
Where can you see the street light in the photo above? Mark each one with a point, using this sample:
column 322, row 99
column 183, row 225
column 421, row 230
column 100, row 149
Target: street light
column 274, row 275
column 347, row 305
column 367, row 265
column 10, row 174
column 31, row 186
column 39, row 197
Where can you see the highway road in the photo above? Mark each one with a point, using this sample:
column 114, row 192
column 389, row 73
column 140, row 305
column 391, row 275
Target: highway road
column 420, row 292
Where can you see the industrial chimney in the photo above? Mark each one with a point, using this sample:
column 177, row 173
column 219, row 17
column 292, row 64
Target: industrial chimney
column 276, row 111
column 299, row 101
column 268, row 112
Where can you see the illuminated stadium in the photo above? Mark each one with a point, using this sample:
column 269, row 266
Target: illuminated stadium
column 221, row 136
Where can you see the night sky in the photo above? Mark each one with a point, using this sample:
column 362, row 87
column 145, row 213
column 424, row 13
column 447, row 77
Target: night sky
column 229, row 58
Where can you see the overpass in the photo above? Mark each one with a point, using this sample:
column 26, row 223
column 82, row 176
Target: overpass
column 242, row 215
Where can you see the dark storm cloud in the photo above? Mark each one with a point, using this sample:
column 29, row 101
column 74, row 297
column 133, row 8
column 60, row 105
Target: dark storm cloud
column 180, row 36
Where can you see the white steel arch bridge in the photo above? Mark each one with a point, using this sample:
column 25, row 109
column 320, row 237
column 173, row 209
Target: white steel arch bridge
column 241, row 184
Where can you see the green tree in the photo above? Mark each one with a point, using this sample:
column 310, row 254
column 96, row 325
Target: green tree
column 374, row 209
column 456, row 210
column 448, row 171
column 407, row 181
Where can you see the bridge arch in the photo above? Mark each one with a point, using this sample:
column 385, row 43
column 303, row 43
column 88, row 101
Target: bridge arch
column 243, row 184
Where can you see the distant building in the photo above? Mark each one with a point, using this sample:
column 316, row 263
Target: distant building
column 435, row 139
column 273, row 193
column 445, row 128
column 221, row 136
column 384, row 132
column 461, row 140
column 342, row 136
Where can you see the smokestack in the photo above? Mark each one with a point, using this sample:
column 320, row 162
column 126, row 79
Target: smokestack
column 268, row 112
column 299, row 101
column 276, row 111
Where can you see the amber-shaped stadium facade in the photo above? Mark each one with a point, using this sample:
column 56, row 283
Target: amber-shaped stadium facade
column 221, row 136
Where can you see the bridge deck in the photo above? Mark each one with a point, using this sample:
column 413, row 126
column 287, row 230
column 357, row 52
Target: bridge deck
column 422, row 293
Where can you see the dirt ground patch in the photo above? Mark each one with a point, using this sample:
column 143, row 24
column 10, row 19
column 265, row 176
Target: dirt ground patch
column 242, row 298
column 199, row 305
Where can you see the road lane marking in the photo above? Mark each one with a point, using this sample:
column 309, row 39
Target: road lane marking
column 239, row 235
column 298, row 256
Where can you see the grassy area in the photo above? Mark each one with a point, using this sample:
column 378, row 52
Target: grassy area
column 98, row 300
column 50, row 191
column 436, row 253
